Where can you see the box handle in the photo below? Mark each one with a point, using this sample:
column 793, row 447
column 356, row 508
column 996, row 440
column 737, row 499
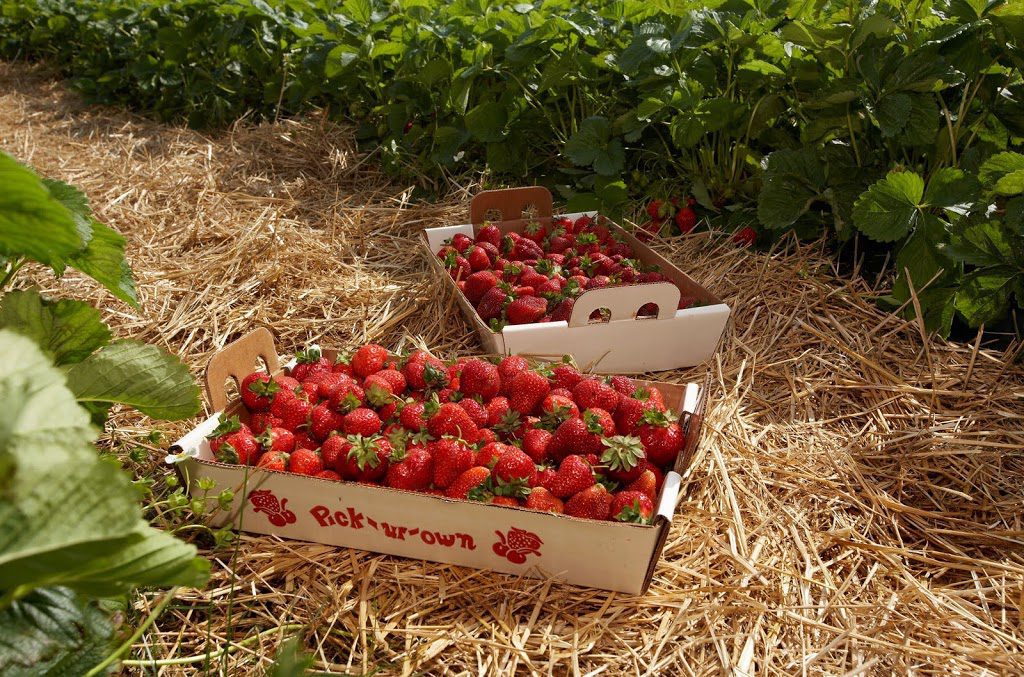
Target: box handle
column 236, row 361
column 624, row 302
column 511, row 202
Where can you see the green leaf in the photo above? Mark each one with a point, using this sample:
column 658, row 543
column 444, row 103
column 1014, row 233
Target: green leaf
column 686, row 130
column 888, row 210
column 1011, row 184
column 291, row 660
column 103, row 260
column 33, row 222
column 593, row 145
column 138, row 375
column 338, row 59
column 761, row 67
column 981, row 244
column 487, row 121
column 107, row 548
column 892, row 113
column 998, row 166
column 53, row 632
column 984, row 296
column 951, row 187
column 68, row 331
column 923, row 121
column 792, row 181
column 76, row 202
column 360, row 11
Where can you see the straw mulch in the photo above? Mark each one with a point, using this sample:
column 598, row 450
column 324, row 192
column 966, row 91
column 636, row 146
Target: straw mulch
column 855, row 507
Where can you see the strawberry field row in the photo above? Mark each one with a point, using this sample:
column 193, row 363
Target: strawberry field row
column 776, row 115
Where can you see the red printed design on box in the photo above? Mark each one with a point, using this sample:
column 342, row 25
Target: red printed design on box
column 264, row 501
column 353, row 519
column 517, row 544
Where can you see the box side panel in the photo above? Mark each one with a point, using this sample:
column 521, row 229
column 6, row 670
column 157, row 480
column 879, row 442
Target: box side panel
column 621, row 346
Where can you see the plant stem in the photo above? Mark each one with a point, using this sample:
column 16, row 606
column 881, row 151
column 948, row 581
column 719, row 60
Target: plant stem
column 127, row 644
column 15, row 265
column 230, row 648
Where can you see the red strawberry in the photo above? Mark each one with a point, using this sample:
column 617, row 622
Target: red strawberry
column 661, row 436
column 745, row 237
column 489, row 233
column 504, row 500
column 496, row 410
column 490, row 454
column 477, row 258
column 366, row 460
column 592, row 503
column 649, row 482
column 566, row 376
column 651, row 395
column 515, row 465
column 625, row 458
column 476, row 411
column 392, row 378
column 526, row 310
column 240, row 447
column 509, row 367
column 632, row 506
column 334, row 448
column 260, row 421
column 273, row 460
column 590, row 393
column 258, row 391
column 369, row 359
column 347, row 397
column 329, row 475
column 422, row 370
column 451, row 419
column 326, row 383
column 478, row 284
column 308, row 363
column 412, row 470
column 303, row 440
column 324, row 420
column 686, row 219
column 361, row 421
column 473, row 484
column 461, row 242
column 527, row 390
column 535, row 443
column 277, row 439
column 559, row 406
column 226, row 425
column 492, row 304
column 305, row 462
column 457, row 266
column 485, row 436
column 543, row 500
column 581, row 435
column 563, row 311
column 628, row 414
column 287, row 383
column 656, row 209
column 535, row 231
column 623, row 385
column 414, row 415
column 479, row 378
column 574, row 475
column 451, row 458
column 293, row 410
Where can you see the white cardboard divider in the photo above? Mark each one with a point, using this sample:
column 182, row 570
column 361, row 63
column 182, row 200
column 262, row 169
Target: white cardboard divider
column 607, row 555
column 626, row 344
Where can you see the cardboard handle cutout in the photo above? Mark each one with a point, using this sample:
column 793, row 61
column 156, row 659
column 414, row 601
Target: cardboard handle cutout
column 512, row 203
column 624, row 302
column 236, row 361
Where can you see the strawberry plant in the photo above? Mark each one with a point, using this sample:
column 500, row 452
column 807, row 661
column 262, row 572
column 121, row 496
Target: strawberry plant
column 62, row 375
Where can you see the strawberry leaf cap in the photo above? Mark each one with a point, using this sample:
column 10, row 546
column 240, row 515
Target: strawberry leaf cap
column 225, row 426
column 632, row 513
column 623, row 452
column 309, row 355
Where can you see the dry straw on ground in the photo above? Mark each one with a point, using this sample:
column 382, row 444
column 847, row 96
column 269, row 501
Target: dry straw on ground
column 855, row 509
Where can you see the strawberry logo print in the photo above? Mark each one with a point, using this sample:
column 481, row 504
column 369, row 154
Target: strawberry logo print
column 517, row 544
column 264, row 501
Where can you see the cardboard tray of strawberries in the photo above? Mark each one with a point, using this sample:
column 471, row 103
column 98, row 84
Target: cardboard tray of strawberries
column 517, row 467
column 535, row 284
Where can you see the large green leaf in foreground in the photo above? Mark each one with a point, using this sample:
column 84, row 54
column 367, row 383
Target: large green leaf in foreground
column 52, row 632
column 139, row 375
column 66, row 516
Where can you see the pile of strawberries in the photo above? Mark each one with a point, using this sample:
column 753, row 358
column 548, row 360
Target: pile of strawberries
column 536, row 275
column 540, row 437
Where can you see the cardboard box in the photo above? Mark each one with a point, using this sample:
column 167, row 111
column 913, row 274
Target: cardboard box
column 626, row 343
column 608, row 555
